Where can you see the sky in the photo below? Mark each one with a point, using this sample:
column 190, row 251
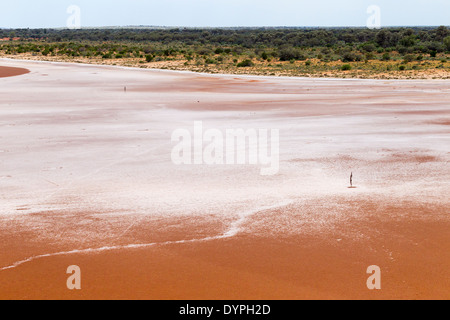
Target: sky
column 221, row 13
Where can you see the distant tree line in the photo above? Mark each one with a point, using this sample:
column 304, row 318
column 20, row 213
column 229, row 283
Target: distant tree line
column 431, row 38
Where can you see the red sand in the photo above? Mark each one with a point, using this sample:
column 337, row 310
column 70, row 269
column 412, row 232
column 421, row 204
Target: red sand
column 86, row 166
column 11, row 72
column 412, row 255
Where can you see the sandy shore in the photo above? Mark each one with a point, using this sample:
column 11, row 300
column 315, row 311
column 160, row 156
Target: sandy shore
column 86, row 179
column 434, row 70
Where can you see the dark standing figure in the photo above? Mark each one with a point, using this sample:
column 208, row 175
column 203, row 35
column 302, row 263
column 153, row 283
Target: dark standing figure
column 124, row 89
column 351, row 179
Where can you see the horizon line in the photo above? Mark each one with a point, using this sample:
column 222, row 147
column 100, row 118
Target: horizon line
column 219, row 27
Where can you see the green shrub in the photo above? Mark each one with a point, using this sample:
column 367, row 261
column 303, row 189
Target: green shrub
column 368, row 47
column 370, row 56
column 349, row 57
column 245, row 63
column 288, row 54
column 346, row 67
column 408, row 41
column 447, row 43
column 408, row 58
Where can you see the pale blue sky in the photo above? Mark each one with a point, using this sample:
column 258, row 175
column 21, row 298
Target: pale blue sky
column 222, row 13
